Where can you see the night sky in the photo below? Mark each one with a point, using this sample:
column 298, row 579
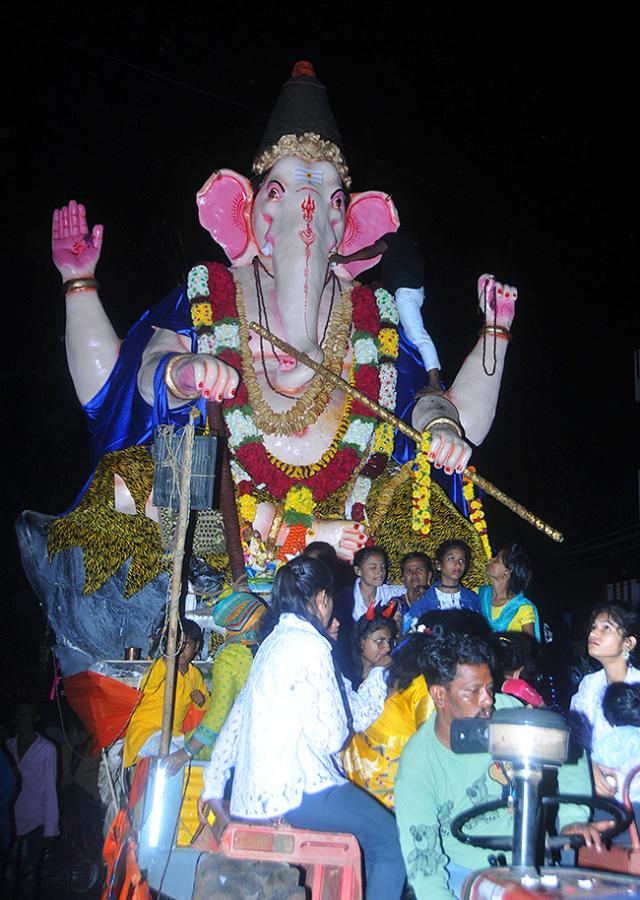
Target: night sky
column 506, row 142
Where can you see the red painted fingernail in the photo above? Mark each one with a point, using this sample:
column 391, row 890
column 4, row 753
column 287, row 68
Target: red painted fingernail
column 233, row 392
column 219, row 397
column 447, row 470
column 201, row 384
column 205, row 393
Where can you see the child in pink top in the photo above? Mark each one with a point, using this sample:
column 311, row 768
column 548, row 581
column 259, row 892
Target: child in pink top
column 519, row 658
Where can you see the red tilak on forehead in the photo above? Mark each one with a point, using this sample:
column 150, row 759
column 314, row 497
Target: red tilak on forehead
column 308, row 237
column 308, row 207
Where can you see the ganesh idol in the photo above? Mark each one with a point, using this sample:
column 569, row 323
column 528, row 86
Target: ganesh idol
column 307, row 462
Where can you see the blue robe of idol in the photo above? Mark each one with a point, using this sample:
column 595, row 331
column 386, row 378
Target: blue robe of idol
column 119, row 417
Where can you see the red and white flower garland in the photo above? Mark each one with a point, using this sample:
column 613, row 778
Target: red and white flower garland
column 382, row 445
column 211, row 285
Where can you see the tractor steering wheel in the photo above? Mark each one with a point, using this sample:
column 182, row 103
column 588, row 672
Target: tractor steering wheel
column 505, row 842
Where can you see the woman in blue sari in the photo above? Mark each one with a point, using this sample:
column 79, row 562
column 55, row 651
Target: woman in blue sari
column 503, row 602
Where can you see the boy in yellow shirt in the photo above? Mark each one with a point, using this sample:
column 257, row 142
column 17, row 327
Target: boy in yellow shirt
column 143, row 733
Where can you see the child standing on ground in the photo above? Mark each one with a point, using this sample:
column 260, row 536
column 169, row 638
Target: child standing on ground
column 143, row 733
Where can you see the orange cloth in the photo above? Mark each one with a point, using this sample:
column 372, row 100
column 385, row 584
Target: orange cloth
column 124, row 880
column 193, row 718
column 102, row 704
column 147, row 717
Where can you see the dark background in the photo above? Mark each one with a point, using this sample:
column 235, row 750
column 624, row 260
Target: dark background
column 508, row 141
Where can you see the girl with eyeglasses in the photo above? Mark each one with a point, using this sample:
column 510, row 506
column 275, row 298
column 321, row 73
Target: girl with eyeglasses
column 373, row 639
column 370, row 565
column 371, row 758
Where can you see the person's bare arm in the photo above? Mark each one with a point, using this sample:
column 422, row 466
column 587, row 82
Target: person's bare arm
column 364, row 253
column 176, row 760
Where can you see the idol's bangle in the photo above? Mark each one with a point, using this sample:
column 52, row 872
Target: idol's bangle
column 490, row 326
column 75, row 285
column 498, row 331
column 170, row 383
column 444, row 420
column 188, row 750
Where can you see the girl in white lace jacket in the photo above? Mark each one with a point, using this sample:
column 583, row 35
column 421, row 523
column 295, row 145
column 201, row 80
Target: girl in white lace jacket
column 286, row 727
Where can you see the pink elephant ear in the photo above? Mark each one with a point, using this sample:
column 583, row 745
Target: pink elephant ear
column 224, row 209
column 370, row 214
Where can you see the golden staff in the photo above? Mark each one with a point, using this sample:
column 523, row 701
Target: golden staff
column 410, row 432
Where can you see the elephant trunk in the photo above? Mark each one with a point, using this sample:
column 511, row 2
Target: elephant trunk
column 300, row 260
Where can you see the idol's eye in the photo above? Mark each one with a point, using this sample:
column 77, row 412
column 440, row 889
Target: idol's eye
column 274, row 191
column 337, row 201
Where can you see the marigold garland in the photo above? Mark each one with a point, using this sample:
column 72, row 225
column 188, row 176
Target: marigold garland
column 388, row 338
column 421, row 493
column 201, row 314
column 476, row 512
column 299, row 506
column 295, row 542
column 383, row 439
column 248, row 507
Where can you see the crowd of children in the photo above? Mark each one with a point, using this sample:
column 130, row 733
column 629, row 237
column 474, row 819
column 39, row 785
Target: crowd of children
column 374, row 625
column 355, row 636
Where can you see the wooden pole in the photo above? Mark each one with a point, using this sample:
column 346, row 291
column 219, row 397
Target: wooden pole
column 228, row 506
column 415, row 435
column 176, row 586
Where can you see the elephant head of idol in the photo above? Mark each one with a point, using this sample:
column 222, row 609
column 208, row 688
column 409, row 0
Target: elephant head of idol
column 296, row 211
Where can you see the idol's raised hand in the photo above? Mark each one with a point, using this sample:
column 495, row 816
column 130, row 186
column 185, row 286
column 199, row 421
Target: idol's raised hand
column 75, row 249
